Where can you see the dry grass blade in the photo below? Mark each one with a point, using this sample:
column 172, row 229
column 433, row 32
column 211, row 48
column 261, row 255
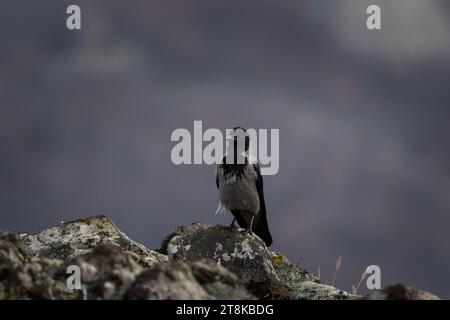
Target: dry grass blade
column 353, row 289
column 318, row 271
column 363, row 276
column 338, row 266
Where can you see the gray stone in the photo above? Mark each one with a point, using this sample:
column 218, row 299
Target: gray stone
column 304, row 285
column 107, row 272
column 239, row 250
column 76, row 237
column 309, row 290
column 400, row 292
column 196, row 261
column 23, row 277
column 201, row 280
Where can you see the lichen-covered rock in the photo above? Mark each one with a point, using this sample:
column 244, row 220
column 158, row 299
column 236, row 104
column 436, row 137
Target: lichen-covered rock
column 35, row 266
column 309, row 290
column 201, row 280
column 12, row 238
column 218, row 281
column 238, row 250
column 194, row 262
column 76, row 237
column 107, row 272
column 23, row 277
column 290, row 273
column 10, row 261
column 400, row 292
column 111, row 267
column 303, row 285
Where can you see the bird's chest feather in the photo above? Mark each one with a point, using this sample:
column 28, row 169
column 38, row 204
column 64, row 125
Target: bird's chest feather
column 238, row 189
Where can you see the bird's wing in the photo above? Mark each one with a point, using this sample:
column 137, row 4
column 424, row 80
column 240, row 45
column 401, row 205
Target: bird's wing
column 262, row 227
column 217, row 178
column 259, row 187
column 217, row 170
column 220, row 208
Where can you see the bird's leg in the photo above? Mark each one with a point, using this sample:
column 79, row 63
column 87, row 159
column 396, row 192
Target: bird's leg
column 251, row 222
column 250, row 229
column 232, row 223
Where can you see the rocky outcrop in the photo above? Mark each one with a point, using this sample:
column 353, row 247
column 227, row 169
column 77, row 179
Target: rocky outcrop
column 302, row 284
column 400, row 292
column 24, row 278
column 196, row 261
column 76, row 237
column 241, row 252
column 202, row 279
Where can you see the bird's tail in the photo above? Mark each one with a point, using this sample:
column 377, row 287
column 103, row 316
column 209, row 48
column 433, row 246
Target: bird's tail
column 262, row 229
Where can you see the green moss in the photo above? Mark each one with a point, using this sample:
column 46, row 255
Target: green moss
column 290, row 273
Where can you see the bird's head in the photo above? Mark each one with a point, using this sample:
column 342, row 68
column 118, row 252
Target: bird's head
column 240, row 139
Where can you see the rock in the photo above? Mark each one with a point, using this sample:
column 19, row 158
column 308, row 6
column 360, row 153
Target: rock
column 107, row 272
column 309, row 290
column 238, row 250
column 302, row 284
column 265, row 274
column 400, row 292
column 10, row 261
column 218, row 281
column 11, row 237
column 196, row 261
column 290, row 273
column 10, row 254
column 36, row 265
column 76, row 237
column 22, row 277
column 112, row 266
column 200, row 281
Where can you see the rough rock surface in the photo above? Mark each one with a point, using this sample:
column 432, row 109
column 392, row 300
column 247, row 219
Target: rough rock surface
column 309, row 290
column 194, row 262
column 22, row 277
column 76, row 237
column 302, row 284
column 178, row 280
column 242, row 252
column 107, row 272
column 400, row 292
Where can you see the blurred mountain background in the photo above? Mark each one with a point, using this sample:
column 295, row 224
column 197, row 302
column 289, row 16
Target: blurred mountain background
column 86, row 118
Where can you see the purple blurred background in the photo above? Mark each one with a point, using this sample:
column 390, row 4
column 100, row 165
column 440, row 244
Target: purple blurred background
column 86, row 118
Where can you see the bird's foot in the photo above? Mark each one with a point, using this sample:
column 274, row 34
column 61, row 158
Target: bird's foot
column 232, row 224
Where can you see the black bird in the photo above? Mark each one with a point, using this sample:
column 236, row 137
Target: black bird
column 240, row 185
